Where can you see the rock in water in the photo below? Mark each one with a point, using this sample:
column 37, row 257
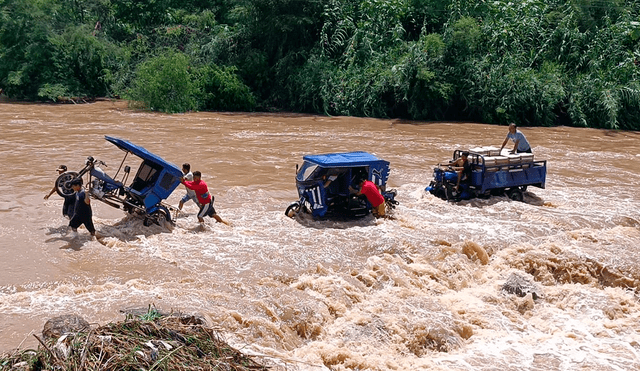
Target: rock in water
column 475, row 251
column 520, row 285
column 68, row 323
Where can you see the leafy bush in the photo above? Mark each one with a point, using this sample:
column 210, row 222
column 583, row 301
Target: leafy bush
column 164, row 83
column 222, row 90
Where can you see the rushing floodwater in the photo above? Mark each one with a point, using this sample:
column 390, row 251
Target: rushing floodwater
column 317, row 295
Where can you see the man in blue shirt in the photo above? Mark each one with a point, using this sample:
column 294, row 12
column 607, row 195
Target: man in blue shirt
column 521, row 144
column 83, row 213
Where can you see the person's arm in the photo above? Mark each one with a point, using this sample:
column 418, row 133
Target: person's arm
column 455, row 164
column 329, row 180
column 87, row 200
column 50, row 193
column 187, row 184
column 504, row 143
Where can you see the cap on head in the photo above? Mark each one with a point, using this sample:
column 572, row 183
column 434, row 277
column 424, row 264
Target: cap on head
column 465, row 153
column 62, row 168
column 76, row 181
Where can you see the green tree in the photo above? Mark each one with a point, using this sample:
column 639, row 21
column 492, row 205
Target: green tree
column 222, row 90
column 165, row 83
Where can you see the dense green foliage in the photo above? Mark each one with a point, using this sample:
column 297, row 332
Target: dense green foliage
column 533, row 62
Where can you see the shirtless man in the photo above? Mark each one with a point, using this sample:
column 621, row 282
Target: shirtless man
column 462, row 167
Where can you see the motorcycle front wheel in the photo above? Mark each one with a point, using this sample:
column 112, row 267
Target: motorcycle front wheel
column 63, row 186
column 292, row 210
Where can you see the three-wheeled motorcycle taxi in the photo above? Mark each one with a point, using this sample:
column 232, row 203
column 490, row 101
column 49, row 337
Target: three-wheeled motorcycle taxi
column 327, row 184
column 155, row 180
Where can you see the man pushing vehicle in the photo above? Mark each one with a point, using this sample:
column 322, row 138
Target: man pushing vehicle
column 373, row 195
column 205, row 199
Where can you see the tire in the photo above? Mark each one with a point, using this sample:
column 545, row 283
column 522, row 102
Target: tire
column 292, row 209
column 516, row 194
column 497, row 192
column 451, row 194
column 63, row 188
column 157, row 217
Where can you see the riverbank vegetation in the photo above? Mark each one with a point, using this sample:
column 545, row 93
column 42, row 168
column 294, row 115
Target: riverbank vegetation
column 533, row 62
column 151, row 341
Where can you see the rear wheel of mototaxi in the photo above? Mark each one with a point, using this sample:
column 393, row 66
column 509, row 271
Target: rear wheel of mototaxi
column 293, row 209
column 516, row 194
column 158, row 217
column 63, row 186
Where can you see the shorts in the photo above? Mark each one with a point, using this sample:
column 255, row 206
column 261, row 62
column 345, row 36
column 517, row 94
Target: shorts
column 78, row 220
column 525, row 151
column 207, row 210
column 380, row 210
column 188, row 197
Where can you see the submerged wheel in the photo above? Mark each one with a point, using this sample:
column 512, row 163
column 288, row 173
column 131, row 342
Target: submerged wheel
column 157, row 217
column 497, row 192
column 63, row 188
column 451, row 194
column 516, row 194
column 292, row 209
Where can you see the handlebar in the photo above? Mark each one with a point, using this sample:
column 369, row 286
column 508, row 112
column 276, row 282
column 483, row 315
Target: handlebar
column 92, row 161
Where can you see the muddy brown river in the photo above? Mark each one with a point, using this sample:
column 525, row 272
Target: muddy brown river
column 332, row 295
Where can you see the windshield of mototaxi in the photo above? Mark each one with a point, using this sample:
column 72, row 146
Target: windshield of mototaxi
column 307, row 171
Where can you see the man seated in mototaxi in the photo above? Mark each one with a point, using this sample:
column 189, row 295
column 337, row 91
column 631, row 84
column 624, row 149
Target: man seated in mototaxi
column 463, row 168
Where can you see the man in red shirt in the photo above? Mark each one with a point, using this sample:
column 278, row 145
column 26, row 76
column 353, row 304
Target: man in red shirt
column 375, row 198
column 204, row 197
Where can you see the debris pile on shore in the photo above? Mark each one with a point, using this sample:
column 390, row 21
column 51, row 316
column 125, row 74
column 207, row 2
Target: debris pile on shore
column 149, row 342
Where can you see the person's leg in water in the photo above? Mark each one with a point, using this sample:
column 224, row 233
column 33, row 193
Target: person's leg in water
column 219, row 219
column 212, row 213
column 186, row 199
column 203, row 211
column 88, row 223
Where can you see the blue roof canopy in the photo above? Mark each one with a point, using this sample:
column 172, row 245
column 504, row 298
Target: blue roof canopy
column 141, row 152
column 359, row 158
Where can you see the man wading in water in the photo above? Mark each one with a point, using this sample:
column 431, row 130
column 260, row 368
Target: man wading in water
column 83, row 213
column 204, row 197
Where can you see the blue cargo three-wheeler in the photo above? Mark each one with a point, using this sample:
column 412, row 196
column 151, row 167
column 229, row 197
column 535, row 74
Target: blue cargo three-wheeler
column 326, row 184
column 490, row 175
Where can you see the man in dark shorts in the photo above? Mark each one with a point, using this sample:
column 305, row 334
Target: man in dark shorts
column 69, row 201
column 82, row 213
column 205, row 199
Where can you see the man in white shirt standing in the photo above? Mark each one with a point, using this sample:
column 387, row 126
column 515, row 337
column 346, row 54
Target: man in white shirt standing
column 521, row 144
column 191, row 194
